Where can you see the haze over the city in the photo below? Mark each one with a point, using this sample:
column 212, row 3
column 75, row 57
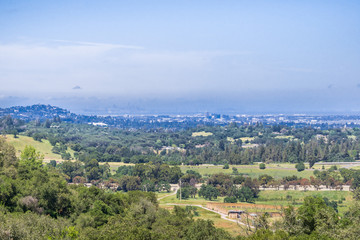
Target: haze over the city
column 181, row 56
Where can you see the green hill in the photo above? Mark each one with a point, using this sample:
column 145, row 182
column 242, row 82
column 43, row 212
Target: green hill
column 43, row 147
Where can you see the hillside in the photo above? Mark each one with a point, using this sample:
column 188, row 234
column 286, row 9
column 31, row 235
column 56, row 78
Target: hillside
column 43, row 147
column 34, row 112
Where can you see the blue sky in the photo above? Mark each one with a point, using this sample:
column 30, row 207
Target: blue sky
column 288, row 53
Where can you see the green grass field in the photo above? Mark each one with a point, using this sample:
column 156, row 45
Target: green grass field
column 229, row 226
column 290, row 197
column 115, row 165
column 44, row 147
column 268, row 197
column 274, row 170
column 162, row 194
column 233, row 228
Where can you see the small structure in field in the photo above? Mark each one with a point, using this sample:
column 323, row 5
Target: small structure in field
column 234, row 214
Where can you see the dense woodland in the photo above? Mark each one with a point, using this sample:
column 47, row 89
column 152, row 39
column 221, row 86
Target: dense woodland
column 230, row 144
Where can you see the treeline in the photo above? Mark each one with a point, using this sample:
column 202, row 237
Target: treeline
column 9, row 125
column 147, row 177
column 230, row 144
column 298, row 145
column 237, row 187
column 150, row 177
column 332, row 178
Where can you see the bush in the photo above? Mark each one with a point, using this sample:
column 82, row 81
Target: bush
column 52, row 163
column 333, row 168
column 226, row 166
column 66, row 156
column 300, row 166
column 262, row 166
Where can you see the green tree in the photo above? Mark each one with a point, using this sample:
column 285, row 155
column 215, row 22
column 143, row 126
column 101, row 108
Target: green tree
column 52, row 163
column 208, row 192
column 315, row 214
column 185, row 193
column 244, row 194
column 205, row 230
column 8, row 160
column 31, row 158
column 72, row 169
column 300, row 166
column 262, row 166
column 129, row 183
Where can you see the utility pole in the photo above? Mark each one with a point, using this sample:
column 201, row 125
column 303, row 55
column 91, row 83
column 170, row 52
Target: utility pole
column 180, row 189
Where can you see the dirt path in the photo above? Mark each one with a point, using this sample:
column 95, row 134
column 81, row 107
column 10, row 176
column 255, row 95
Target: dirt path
column 171, row 194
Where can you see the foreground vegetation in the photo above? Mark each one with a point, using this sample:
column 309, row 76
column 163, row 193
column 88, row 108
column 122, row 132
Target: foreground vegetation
column 37, row 203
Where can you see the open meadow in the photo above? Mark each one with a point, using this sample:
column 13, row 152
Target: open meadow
column 275, row 170
column 44, row 147
column 296, row 198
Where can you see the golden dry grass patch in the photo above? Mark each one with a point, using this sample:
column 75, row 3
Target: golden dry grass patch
column 201, row 134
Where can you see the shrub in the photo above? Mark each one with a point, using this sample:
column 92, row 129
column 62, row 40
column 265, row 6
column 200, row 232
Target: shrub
column 300, row 166
column 262, row 166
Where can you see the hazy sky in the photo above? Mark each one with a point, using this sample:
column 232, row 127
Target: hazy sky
column 183, row 49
